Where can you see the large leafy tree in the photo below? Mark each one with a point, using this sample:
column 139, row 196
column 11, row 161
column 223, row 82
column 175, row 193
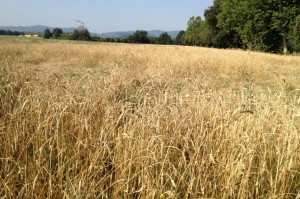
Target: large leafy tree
column 165, row 38
column 245, row 18
column 284, row 18
column 216, row 36
column 261, row 24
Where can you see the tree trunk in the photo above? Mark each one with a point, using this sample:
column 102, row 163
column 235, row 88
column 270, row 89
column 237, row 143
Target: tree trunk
column 285, row 48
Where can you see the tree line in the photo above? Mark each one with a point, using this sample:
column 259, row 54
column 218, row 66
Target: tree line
column 140, row 36
column 11, row 33
column 57, row 33
column 260, row 25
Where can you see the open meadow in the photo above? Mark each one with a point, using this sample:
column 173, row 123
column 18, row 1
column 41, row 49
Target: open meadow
column 103, row 120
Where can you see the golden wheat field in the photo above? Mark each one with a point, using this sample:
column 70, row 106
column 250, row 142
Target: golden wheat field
column 101, row 120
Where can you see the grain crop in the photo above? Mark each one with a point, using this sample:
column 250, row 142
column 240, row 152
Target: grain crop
column 103, row 120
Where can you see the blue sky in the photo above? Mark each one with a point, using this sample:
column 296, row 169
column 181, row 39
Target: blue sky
column 103, row 16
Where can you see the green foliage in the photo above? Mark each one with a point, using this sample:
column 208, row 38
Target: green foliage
column 56, row 33
column 294, row 36
column 192, row 35
column 66, row 36
column 197, row 33
column 234, row 17
column 284, row 14
column 95, row 38
column 261, row 25
column 153, row 40
column 179, row 38
column 216, row 36
column 109, row 39
column 165, row 38
column 12, row 33
column 140, row 36
column 81, row 34
column 296, row 29
column 284, row 19
column 47, row 34
column 211, row 23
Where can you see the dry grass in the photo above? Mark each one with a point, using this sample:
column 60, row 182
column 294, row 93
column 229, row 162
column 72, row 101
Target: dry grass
column 87, row 120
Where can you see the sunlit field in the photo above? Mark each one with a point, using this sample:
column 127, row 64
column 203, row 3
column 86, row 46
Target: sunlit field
column 103, row 120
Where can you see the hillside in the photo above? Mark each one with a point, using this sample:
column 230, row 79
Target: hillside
column 104, row 120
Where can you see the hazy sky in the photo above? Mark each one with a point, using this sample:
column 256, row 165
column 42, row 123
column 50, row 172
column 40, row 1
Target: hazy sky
column 103, row 15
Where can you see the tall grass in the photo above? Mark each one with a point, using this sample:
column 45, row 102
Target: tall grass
column 144, row 121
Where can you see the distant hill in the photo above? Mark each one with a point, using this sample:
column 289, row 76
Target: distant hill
column 33, row 29
column 123, row 34
column 117, row 34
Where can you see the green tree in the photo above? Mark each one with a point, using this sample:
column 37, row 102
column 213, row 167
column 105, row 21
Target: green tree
column 85, row 35
column 261, row 25
column 193, row 34
column 47, row 34
column 165, row 38
column 234, row 18
column 216, row 36
column 75, row 35
column 179, row 38
column 2, row 32
column 81, row 34
column 140, row 36
column 210, row 15
column 56, row 33
column 284, row 18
